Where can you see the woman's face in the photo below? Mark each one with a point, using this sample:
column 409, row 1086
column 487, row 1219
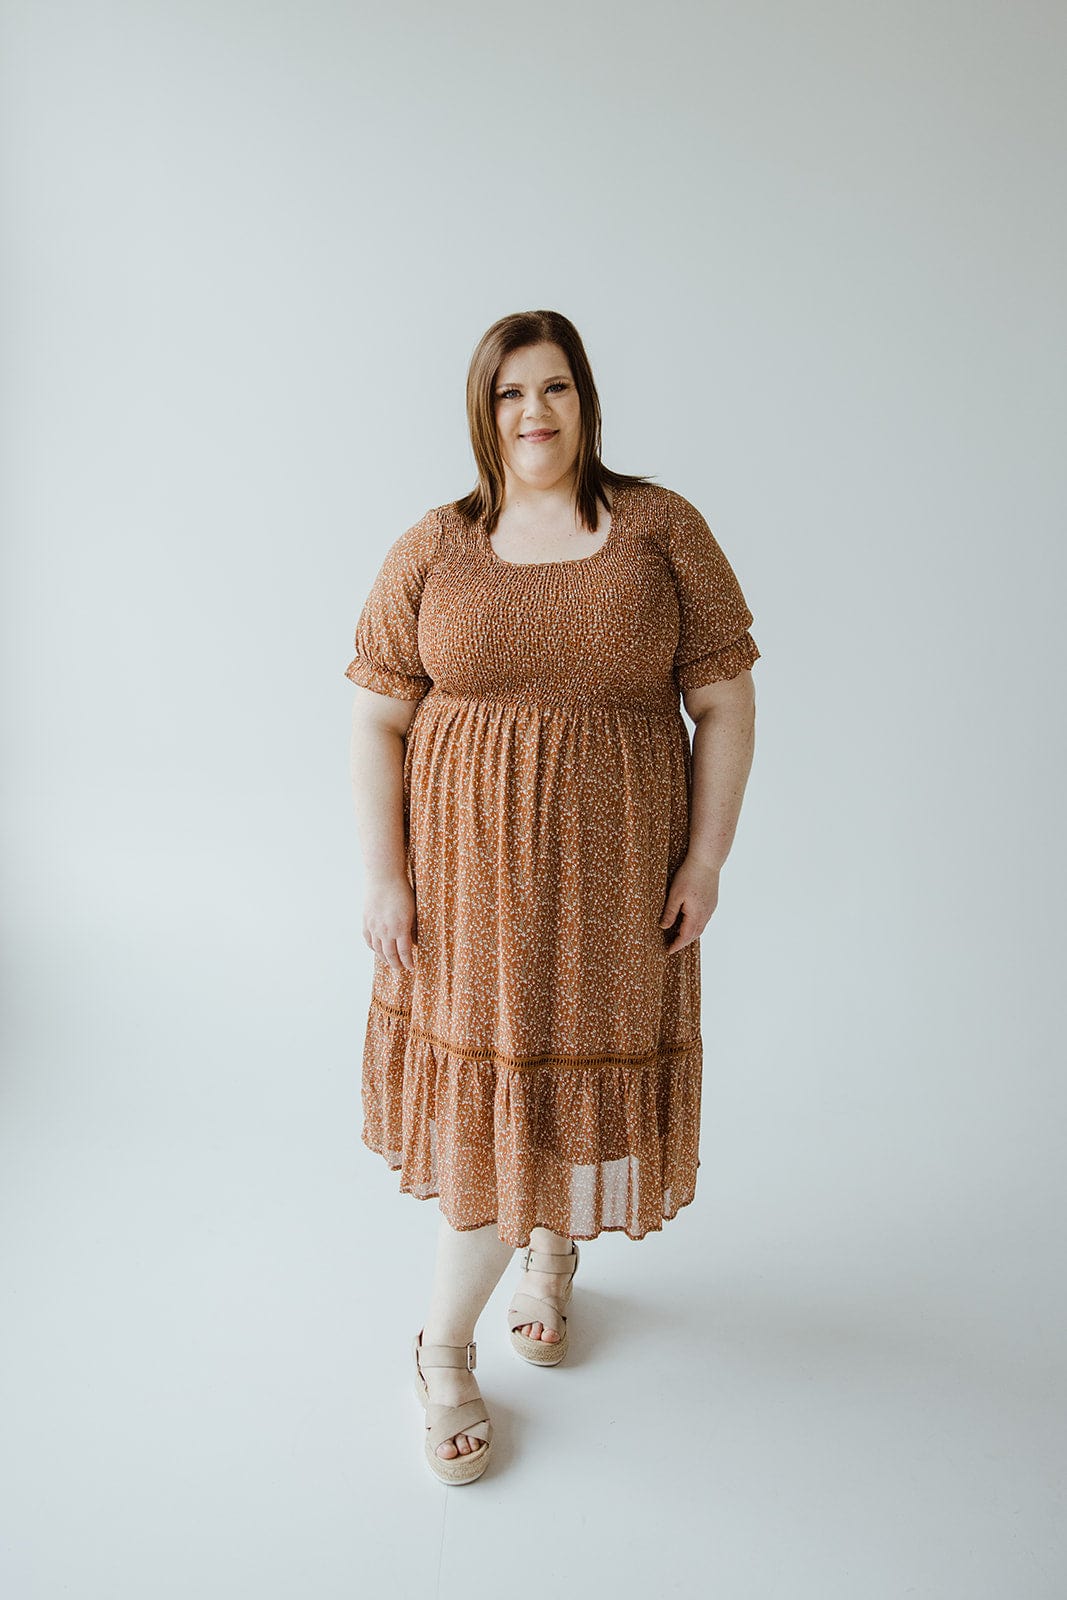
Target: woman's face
column 535, row 395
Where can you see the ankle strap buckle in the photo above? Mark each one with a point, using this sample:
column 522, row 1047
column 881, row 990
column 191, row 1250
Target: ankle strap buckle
column 567, row 1262
column 472, row 1356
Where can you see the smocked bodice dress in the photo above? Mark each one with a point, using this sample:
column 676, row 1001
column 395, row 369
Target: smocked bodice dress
column 541, row 1066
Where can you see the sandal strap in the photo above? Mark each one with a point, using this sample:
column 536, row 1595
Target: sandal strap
column 550, row 1261
column 444, row 1422
column 533, row 1308
column 446, row 1355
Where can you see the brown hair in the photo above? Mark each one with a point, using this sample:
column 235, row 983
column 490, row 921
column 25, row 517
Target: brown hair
column 516, row 332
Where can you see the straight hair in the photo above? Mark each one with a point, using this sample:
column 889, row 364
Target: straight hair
column 516, row 332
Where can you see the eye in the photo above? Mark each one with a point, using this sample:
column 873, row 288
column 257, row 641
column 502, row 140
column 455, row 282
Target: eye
column 505, row 394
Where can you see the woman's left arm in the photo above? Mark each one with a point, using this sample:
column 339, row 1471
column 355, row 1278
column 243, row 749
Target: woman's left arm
column 724, row 740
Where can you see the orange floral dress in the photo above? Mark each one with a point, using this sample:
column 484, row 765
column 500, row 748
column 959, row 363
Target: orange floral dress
column 541, row 1066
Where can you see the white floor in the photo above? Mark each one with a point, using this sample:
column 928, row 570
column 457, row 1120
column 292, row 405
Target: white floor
column 815, row 1382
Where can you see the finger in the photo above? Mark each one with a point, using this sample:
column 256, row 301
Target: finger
column 404, row 949
column 686, row 933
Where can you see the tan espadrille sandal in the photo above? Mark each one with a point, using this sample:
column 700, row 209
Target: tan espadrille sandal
column 444, row 1422
column 535, row 1308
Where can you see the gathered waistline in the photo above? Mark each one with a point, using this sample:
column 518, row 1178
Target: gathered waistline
column 662, row 713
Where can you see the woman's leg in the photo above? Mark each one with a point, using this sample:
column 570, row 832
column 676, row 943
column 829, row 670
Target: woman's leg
column 468, row 1268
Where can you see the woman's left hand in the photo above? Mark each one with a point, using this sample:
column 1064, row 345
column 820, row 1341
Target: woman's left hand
column 694, row 892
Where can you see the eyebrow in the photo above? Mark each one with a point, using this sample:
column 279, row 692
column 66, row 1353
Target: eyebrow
column 515, row 384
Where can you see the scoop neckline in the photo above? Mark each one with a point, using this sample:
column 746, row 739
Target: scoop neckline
column 566, row 561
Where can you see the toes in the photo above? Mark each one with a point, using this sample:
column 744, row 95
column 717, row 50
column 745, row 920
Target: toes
column 464, row 1444
column 537, row 1330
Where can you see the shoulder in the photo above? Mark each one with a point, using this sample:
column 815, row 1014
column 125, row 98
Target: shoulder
column 458, row 531
column 666, row 515
column 662, row 501
column 428, row 531
column 678, row 509
column 419, row 546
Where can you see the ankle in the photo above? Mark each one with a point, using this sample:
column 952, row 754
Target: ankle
column 441, row 1333
column 543, row 1240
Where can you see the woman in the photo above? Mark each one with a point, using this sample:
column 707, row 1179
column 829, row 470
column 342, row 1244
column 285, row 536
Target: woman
column 542, row 851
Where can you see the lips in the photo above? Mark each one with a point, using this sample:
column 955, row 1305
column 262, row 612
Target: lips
column 542, row 433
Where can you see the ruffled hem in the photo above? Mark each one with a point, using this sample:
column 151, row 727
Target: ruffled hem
column 372, row 675
column 719, row 665
column 577, row 1145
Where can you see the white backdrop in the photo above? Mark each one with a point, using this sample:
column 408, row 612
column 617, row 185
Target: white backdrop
column 816, row 252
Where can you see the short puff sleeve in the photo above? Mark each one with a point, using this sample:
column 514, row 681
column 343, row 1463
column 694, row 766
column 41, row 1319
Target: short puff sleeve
column 713, row 638
column 387, row 657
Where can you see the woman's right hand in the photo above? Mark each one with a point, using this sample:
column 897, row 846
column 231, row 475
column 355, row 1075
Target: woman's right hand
column 389, row 922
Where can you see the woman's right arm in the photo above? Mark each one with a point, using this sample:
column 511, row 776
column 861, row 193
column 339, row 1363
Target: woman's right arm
column 379, row 725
